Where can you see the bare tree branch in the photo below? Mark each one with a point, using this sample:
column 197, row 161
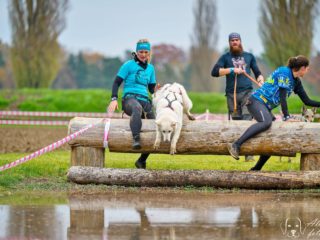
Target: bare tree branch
column 203, row 50
column 286, row 28
column 36, row 25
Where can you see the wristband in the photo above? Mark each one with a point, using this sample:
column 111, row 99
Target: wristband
column 114, row 98
column 231, row 70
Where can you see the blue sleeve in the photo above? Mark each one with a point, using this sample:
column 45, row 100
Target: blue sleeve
column 124, row 70
column 217, row 66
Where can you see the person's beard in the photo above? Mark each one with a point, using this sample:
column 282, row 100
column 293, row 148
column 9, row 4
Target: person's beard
column 236, row 50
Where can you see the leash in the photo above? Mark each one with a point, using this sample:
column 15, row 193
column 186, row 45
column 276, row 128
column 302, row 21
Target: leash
column 235, row 95
column 235, row 91
column 252, row 79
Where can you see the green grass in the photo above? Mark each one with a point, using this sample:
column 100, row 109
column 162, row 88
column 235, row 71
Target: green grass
column 48, row 172
column 96, row 100
column 200, row 162
column 46, row 167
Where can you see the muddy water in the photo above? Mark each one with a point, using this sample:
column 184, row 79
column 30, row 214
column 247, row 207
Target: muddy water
column 161, row 215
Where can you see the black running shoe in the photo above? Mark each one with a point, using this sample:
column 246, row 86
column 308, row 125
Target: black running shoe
column 234, row 150
column 140, row 164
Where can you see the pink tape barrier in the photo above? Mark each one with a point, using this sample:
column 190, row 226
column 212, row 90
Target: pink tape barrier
column 52, row 114
column 53, row 146
column 106, row 132
column 57, row 144
column 34, row 122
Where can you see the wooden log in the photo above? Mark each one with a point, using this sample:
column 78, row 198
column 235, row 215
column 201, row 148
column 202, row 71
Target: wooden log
column 309, row 162
column 205, row 137
column 87, row 156
column 198, row 178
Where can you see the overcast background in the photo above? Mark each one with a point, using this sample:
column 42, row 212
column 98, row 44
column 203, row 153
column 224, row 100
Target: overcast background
column 112, row 26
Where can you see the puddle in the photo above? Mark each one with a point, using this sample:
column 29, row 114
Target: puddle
column 163, row 215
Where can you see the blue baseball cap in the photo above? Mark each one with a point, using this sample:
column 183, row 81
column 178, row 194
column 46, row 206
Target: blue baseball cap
column 234, row 35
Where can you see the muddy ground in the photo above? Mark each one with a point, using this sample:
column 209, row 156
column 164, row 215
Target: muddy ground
column 29, row 139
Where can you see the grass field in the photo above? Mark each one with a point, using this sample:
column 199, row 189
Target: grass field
column 48, row 172
column 96, row 100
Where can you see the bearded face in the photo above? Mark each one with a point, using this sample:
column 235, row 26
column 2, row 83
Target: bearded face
column 235, row 46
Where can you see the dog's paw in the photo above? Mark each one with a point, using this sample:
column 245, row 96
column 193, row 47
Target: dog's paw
column 191, row 117
column 156, row 145
column 173, row 150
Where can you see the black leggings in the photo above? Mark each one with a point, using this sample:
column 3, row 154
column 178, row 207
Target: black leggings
column 264, row 119
column 137, row 110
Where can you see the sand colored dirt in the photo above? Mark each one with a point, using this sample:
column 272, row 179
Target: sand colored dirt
column 29, row 139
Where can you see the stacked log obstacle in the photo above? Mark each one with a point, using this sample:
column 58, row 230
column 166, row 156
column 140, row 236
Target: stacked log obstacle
column 197, row 178
column 199, row 137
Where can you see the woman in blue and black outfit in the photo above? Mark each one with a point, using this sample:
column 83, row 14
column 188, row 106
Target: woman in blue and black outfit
column 139, row 78
column 274, row 92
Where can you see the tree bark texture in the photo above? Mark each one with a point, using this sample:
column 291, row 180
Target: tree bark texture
column 87, row 156
column 197, row 178
column 309, row 162
column 204, row 137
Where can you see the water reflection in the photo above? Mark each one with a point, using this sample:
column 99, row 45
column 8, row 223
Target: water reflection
column 171, row 216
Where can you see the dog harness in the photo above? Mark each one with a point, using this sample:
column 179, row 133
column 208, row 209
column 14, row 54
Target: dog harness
column 171, row 101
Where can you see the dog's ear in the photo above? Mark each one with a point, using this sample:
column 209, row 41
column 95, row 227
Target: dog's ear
column 300, row 225
column 304, row 109
column 314, row 110
column 158, row 121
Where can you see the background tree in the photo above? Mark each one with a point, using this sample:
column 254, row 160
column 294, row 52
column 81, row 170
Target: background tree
column 170, row 62
column 313, row 76
column 87, row 70
column 203, row 52
column 6, row 80
column 36, row 25
column 286, row 29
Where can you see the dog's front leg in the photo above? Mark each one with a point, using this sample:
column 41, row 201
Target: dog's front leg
column 158, row 138
column 175, row 138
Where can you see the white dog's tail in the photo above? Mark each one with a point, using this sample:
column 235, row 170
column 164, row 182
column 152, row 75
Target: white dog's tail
column 187, row 103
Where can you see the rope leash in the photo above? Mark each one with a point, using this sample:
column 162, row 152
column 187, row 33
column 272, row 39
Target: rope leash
column 252, row 79
column 235, row 89
column 235, row 94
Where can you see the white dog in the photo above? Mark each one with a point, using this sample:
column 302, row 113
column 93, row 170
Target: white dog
column 170, row 101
